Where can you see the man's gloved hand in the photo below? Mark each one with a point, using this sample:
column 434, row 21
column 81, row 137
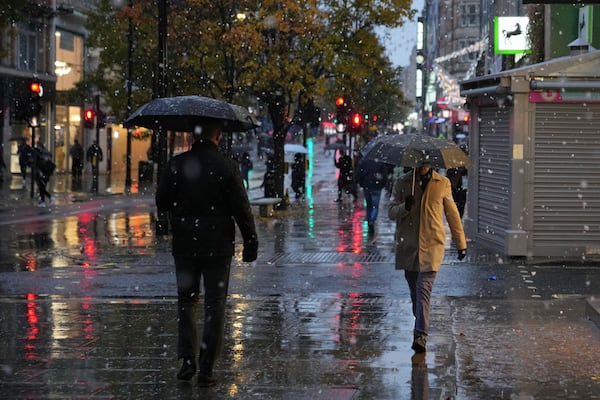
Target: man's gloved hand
column 409, row 202
column 462, row 254
column 250, row 251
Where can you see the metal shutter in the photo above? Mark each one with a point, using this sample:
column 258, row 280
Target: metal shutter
column 494, row 174
column 566, row 205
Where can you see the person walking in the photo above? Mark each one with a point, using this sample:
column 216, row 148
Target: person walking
column 268, row 183
column 298, row 176
column 419, row 197
column 25, row 152
column 94, row 156
column 203, row 192
column 459, row 193
column 76, row 153
column 346, row 181
column 44, row 168
column 245, row 167
column 372, row 177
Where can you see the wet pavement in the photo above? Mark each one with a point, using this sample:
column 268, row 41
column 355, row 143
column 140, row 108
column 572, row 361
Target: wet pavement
column 87, row 308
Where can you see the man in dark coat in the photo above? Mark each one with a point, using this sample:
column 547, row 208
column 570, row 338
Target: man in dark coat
column 298, row 175
column 77, row 159
column 372, row 177
column 94, row 156
column 204, row 194
column 346, row 178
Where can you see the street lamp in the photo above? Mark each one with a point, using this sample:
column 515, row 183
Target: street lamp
column 121, row 4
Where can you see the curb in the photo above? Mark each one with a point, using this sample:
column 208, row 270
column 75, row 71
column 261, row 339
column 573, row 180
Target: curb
column 592, row 310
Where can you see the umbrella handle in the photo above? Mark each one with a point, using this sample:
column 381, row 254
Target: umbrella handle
column 414, row 175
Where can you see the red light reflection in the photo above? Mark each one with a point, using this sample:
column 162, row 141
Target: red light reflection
column 30, row 262
column 33, row 330
column 351, row 234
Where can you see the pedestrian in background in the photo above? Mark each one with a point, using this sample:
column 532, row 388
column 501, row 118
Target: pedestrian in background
column 298, row 176
column 25, row 153
column 459, row 193
column 245, row 167
column 372, row 177
column 94, row 156
column 269, row 178
column 44, row 168
column 204, row 194
column 346, row 183
column 76, row 153
column 418, row 205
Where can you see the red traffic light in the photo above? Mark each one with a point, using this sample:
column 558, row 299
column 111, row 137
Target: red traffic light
column 89, row 115
column 356, row 119
column 340, row 102
column 36, row 87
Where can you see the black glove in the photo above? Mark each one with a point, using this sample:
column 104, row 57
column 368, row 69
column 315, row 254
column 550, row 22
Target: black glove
column 409, row 201
column 462, row 254
column 250, row 251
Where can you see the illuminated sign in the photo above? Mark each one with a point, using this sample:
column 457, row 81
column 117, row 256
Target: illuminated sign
column 510, row 35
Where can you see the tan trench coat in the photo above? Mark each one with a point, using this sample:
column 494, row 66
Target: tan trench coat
column 420, row 233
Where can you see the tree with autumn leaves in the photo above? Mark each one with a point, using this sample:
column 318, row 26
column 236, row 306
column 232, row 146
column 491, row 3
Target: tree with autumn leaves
column 279, row 54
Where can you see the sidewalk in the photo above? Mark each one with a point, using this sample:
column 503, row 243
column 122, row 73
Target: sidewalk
column 322, row 314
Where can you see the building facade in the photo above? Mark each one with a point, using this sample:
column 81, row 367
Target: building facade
column 46, row 43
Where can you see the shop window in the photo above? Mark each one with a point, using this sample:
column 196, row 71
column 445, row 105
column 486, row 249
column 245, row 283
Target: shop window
column 27, row 60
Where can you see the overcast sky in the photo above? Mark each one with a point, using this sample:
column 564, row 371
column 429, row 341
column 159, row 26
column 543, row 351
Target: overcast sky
column 400, row 42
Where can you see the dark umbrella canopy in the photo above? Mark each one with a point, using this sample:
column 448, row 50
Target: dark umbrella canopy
column 412, row 150
column 185, row 113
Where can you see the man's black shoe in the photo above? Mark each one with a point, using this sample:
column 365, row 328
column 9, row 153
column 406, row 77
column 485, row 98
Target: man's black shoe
column 206, row 380
column 188, row 369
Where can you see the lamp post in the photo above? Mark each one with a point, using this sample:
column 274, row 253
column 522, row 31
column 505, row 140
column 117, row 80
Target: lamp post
column 162, row 79
column 129, row 93
column 420, row 73
column 162, row 220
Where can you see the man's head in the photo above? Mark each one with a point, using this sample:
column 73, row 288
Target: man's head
column 210, row 131
column 424, row 168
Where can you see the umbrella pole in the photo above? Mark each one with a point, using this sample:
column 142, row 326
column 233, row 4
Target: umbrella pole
column 413, row 181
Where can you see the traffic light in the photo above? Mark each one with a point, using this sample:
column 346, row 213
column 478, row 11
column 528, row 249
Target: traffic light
column 341, row 116
column 27, row 104
column 89, row 115
column 356, row 122
column 36, row 91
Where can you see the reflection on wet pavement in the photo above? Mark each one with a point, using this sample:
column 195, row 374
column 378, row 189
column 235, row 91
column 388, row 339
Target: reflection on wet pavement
column 335, row 345
column 87, row 310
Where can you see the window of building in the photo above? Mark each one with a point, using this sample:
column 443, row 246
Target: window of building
column 67, row 41
column 27, row 56
column 68, row 64
column 467, row 57
column 469, row 15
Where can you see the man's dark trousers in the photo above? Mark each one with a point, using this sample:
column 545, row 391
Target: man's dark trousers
column 214, row 271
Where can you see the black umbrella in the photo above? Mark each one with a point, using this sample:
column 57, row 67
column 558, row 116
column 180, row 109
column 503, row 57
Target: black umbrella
column 413, row 150
column 185, row 113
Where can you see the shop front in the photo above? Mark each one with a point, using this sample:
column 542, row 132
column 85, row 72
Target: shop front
column 535, row 181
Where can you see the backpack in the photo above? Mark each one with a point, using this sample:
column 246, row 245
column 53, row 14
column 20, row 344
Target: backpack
column 47, row 166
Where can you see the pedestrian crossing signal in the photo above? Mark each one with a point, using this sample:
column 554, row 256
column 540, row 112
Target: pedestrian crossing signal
column 89, row 116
